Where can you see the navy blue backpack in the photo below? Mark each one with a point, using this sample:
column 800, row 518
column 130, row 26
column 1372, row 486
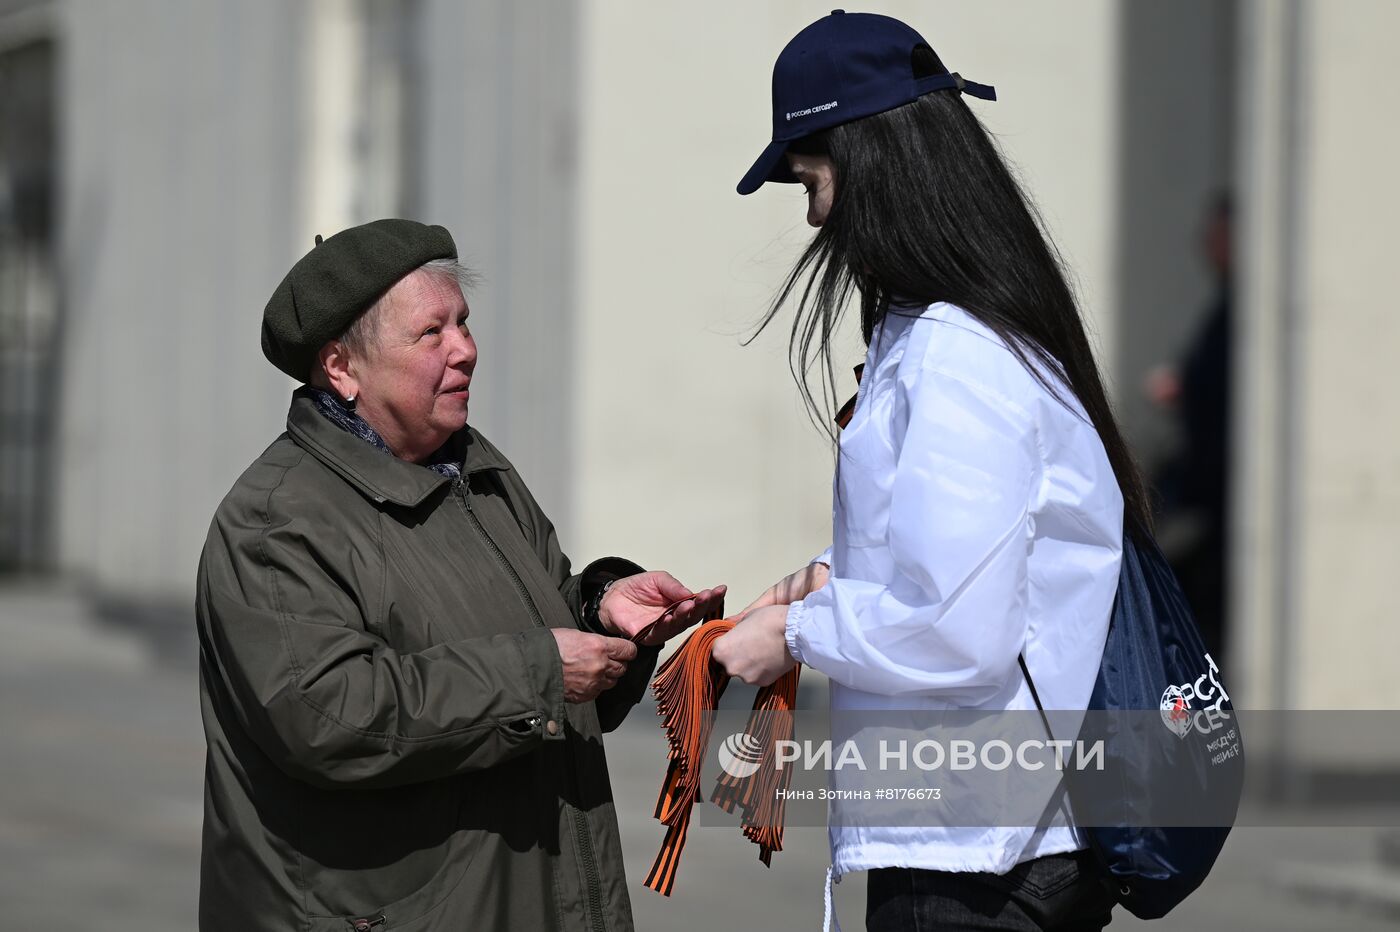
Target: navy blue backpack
column 1158, row 815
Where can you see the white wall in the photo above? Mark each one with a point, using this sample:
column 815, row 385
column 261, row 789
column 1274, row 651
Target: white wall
column 1350, row 410
column 1319, row 496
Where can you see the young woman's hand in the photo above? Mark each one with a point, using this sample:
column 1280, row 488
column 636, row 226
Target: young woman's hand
column 792, row 588
column 756, row 649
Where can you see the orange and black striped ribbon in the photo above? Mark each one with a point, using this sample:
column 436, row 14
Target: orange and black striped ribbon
column 844, row 413
column 688, row 685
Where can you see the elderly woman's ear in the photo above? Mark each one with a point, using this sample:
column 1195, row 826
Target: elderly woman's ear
column 334, row 366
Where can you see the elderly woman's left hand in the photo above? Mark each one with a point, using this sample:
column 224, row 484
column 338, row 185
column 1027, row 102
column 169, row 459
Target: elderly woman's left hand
column 634, row 602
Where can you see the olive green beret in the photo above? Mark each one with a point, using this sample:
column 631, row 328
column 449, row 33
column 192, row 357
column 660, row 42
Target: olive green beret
column 337, row 281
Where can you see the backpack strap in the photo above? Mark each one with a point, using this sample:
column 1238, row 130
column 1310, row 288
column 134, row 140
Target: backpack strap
column 1021, row 658
column 1044, row 720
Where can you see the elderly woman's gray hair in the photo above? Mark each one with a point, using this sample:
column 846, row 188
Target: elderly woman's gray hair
column 359, row 338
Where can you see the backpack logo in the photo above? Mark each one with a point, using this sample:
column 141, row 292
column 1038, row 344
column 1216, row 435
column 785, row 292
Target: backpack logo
column 1180, row 716
column 1176, row 711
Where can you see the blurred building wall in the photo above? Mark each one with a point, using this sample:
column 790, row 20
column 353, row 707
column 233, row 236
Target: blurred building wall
column 584, row 155
column 29, row 309
column 1319, row 479
column 1177, row 99
column 205, row 144
column 494, row 160
column 181, row 194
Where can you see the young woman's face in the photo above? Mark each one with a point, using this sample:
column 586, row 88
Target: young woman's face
column 816, row 175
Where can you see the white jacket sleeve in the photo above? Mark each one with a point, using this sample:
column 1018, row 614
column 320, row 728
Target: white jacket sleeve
column 951, row 616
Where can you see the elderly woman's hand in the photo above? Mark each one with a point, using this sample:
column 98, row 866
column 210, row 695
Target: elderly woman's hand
column 755, row 650
column 634, row 602
column 592, row 663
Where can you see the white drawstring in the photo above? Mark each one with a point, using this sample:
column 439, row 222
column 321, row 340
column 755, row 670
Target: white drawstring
column 829, row 918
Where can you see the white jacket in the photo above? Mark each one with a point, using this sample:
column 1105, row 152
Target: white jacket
column 976, row 517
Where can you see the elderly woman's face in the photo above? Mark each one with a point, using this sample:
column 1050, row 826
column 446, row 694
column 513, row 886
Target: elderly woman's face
column 412, row 385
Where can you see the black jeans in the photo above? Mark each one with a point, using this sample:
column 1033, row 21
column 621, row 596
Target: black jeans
column 1056, row 893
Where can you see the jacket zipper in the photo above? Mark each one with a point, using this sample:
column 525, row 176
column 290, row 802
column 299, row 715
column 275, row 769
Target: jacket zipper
column 367, row 924
column 590, row 867
column 585, row 841
column 463, row 489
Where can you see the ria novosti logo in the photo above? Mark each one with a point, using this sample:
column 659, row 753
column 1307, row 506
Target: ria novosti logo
column 1179, row 713
column 740, row 755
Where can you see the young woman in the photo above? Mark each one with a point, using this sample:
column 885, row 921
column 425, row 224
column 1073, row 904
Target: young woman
column 982, row 483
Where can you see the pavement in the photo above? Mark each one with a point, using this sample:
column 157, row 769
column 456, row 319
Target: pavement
column 100, row 807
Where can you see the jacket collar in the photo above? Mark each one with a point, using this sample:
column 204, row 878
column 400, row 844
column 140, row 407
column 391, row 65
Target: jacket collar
column 376, row 474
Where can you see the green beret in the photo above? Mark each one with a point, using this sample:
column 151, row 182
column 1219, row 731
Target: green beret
column 337, row 281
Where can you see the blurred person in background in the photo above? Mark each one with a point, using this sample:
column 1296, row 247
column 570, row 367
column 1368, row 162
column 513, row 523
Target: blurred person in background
column 1195, row 484
column 404, row 686
column 982, row 483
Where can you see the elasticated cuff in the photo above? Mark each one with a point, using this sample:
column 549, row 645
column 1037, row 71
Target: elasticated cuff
column 594, row 576
column 796, row 615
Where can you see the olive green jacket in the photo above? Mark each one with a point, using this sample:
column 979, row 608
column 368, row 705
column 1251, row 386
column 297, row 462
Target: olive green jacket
column 388, row 742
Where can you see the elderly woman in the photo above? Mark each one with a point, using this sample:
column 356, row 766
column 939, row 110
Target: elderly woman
column 404, row 686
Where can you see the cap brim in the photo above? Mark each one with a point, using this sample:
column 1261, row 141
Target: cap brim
column 771, row 166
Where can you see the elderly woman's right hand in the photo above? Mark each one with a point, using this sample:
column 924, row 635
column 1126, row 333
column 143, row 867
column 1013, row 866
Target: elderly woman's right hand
column 592, row 662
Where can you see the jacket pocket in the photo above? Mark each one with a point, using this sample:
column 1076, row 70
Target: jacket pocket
column 419, row 911
column 385, row 860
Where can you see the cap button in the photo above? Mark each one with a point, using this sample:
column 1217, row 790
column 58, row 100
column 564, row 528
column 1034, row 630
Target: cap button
column 837, row 12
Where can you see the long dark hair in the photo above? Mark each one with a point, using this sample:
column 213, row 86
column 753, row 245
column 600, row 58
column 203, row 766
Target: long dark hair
column 926, row 210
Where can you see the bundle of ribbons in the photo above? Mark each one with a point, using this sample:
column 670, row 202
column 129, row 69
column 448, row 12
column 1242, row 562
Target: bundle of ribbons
column 688, row 686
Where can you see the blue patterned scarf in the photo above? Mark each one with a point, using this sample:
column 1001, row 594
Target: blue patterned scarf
column 443, row 462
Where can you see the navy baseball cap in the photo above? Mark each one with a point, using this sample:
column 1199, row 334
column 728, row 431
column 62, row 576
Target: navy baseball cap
column 843, row 67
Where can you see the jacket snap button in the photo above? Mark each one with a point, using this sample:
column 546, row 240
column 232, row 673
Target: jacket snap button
column 552, row 727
